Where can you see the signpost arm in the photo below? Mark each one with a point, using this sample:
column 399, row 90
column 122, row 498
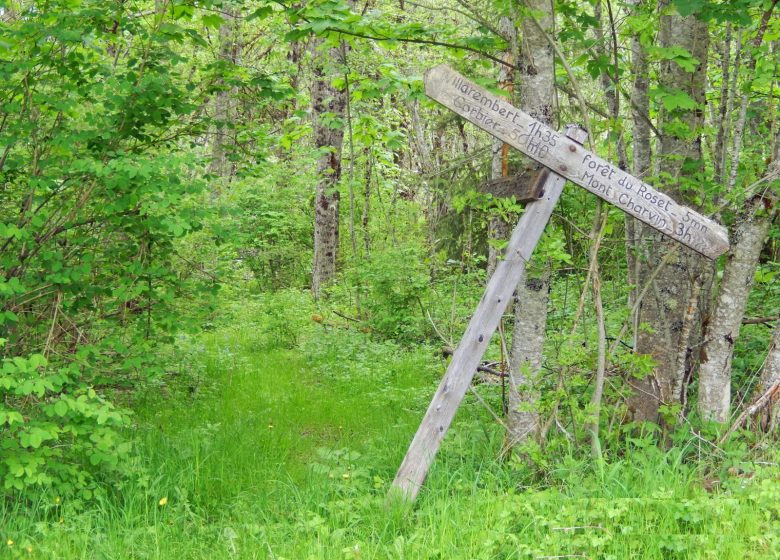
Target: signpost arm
column 475, row 340
column 578, row 165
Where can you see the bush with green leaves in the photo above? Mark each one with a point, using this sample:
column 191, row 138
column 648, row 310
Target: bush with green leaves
column 60, row 436
column 395, row 282
column 94, row 195
column 275, row 229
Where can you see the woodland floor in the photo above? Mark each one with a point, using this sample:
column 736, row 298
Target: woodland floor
column 287, row 453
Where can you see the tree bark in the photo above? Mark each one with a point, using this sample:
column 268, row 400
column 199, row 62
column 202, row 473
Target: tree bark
column 739, row 131
column 642, row 154
column 535, row 81
column 770, row 374
column 609, row 84
column 718, row 156
column 328, row 110
column 665, row 308
column 526, row 355
column 225, row 98
column 723, row 330
column 498, row 227
column 774, row 130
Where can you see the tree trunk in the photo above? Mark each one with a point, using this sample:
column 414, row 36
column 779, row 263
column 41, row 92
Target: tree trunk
column 535, row 82
column 739, row 131
column 723, row 330
column 718, row 157
column 498, row 228
column 774, row 129
column 642, row 154
column 770, row 374
column 608, row 83
column 665, row 308
column 224, row 99
column 749, row 237
column 328, row 136
column 526, row 355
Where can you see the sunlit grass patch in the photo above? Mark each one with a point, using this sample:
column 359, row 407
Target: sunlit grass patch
column 288, row 453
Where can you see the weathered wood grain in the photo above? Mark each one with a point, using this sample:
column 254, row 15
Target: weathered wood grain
column 475, row 340
column 524, row 185
column 570, row 160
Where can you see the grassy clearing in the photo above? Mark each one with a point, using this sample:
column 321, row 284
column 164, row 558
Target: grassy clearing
column 288, row 453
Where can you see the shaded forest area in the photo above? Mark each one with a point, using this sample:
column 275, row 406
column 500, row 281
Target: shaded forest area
column 239, row 245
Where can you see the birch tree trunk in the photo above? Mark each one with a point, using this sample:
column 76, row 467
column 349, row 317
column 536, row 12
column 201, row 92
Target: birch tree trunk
column 535, row 84
column 665, row 309
column 723, row 330
column 328, row 110
column 739, row 131
column 749, row 237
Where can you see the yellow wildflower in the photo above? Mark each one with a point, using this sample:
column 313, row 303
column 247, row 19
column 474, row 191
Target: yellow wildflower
column 10, row 542
column 163, row 501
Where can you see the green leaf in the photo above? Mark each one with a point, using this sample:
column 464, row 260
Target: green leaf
column 688, row 7
column 673, row 99
column 212, row 20
column 35, row 440
column 61, row 408
column 682, row 57
column 262, row 12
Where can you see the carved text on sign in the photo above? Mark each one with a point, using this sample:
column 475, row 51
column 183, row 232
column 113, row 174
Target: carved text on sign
column 572, row 161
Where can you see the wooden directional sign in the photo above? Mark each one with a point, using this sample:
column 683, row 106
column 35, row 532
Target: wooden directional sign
column 570, row 160
column 564, row 158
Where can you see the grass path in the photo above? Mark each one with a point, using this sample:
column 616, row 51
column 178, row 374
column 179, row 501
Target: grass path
column 287, row 454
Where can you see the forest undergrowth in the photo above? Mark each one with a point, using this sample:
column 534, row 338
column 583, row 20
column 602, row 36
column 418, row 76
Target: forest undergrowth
column 277, row 437
column 239, row 242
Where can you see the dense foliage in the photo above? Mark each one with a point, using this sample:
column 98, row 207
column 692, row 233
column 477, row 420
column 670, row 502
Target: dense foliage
column 160, row 167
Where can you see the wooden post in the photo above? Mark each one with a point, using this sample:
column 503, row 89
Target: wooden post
column 483, row 324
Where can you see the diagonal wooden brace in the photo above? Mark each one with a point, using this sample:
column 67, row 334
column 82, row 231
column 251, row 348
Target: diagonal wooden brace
column 483, row 324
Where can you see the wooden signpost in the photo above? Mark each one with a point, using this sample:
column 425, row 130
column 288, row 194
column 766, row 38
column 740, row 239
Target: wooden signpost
column 564, row 158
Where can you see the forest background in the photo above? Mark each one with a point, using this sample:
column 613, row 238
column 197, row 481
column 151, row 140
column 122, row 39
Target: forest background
column 238, row 244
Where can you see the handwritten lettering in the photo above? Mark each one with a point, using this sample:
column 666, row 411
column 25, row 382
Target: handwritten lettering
column 602, row 168
column 571, row 161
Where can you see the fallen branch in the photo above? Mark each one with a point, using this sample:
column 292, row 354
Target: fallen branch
column 346, row 316
column 758, row 320
column 492, row 371
column 578, row 527
column 750, row 411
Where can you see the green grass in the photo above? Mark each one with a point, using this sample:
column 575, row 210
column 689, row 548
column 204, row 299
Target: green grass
column 277, row 453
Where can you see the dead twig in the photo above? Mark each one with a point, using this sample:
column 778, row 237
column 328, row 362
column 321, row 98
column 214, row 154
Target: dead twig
column 490, row 410
column 750, row 411
column 348, row 318
column 758, row 320
column 578, row 527
column 449, row 342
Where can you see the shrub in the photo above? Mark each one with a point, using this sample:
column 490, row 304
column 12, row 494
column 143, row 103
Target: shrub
column 395, row 283
column 59, row 434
